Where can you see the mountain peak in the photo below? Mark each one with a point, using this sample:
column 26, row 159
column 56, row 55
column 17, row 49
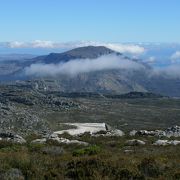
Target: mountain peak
column 90, row 51
column 87, row 52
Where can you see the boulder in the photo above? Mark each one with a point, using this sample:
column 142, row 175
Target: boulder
column 133, row 133
column 166, row 142
column 39, row 141
column 173, row 131
column 14, row 138
column 18, row 139
column 128, row 151
column 115, row 132
column 135, row 142
column 67, row 141
column 161, row 142
column 12, row 174
column 55, row 137
column 53, row 150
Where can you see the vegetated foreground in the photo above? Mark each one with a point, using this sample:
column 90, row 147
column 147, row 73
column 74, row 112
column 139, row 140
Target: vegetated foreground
column 103, row 158
column 35, row 114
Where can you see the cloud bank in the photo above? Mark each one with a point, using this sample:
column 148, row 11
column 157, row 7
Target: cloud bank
column 176, row 55
column 75, row 67
column 170, row 72
column 123, row 48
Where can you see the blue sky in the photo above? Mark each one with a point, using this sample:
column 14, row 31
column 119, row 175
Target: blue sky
column 95, row 20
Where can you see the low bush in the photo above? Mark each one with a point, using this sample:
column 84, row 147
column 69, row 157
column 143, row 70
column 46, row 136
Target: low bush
column 91, row 150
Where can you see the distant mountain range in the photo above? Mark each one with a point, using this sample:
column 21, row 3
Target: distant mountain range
column 113, row 80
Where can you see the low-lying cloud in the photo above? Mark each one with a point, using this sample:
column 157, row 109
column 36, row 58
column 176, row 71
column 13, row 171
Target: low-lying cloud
column 78, row 66
column 170, row 72
column 123, row 48
column 175, row 57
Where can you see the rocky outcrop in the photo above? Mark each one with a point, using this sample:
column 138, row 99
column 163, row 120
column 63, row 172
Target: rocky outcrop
column 173, row 131
column 11, row 174
column 135, row 142
column 55, row 137
column 95, row 129
column 39, row 141
column 166, row 142
column 14, row 138
column 115, row 132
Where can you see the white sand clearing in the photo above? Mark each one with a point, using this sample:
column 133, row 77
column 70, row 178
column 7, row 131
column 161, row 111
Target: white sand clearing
column 83, row 127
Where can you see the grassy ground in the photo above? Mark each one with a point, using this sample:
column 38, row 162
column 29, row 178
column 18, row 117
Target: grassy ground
column 124, row 114
column 104, row 158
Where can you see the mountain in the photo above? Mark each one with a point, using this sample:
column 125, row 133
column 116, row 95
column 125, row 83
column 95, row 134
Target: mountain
column 89, row 52
column 109, row 80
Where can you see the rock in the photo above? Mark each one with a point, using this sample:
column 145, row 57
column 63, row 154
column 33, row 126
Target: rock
column 67, row 141
column 18, row 139
column 39, row 141
column 12, row 174
column 55, row 137
column 128, row 151
column 169, row 132
column 117, row 132
column 166, row 142
column 175, row 142
column 161, row 142
column 160, row 133
column 133, row 133
column 53, row 150
column 135, row 142
column 14, row 138
column 108, row 127
column 173, row 131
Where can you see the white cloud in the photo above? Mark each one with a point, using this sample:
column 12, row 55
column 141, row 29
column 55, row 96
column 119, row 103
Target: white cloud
column 151, row 60
column 75, row 67
column 126, row 48
column 34, row 44
column 123, row 48
column 171, row 71
column 17, row 44
column 175, row 57
column 43, row 44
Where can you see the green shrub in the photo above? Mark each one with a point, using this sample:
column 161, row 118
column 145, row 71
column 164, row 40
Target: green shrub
column 92, row 150
column 35, row 147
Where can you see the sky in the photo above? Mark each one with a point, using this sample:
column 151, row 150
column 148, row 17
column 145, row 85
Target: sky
column 93, row 20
